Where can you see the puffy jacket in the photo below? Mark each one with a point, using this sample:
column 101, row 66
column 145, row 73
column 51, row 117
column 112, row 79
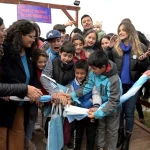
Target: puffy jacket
column 7, row 108
column 13, row 89
column 137, row 67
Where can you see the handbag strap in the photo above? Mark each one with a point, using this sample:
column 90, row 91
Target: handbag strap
column 53, row 109
column 56, row 109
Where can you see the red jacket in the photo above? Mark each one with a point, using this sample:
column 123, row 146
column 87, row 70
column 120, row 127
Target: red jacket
column 82, row 56
column 41, row 87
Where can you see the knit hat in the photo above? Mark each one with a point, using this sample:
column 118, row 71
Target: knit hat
column 98, row 23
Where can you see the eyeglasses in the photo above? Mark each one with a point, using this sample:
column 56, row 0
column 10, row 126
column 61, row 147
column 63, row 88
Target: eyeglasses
column 32, row 37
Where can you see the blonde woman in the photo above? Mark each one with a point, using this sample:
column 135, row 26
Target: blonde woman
column 126, row 54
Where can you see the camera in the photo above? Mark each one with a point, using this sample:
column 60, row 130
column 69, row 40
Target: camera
column 77, row 3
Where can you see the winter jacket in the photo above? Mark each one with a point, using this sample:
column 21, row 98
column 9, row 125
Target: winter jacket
column 137, row 67
column 108, row 85
column 91, row 99
column 14, row 73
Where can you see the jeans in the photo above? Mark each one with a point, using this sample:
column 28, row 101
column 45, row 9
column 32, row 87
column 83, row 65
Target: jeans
column 128, row 108
column 33, row 112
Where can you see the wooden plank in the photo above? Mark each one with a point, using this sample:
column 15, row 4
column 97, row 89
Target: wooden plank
column 145, row 103
column 142, row 126
column 69, row 16
column 49, row 5
column 64, row 8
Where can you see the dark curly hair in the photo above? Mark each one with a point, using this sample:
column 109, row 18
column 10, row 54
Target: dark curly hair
column 15, row 38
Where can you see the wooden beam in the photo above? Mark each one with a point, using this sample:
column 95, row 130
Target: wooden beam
column 77, row 16
column 70, row 17
column 64, row 8
column 49, row 5
column 145, row 103
column 142, row 126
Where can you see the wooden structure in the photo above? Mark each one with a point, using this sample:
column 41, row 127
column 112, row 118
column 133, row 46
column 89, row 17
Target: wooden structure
column 64, row 8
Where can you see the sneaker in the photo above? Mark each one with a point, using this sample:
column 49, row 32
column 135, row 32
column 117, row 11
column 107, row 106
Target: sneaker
column 30, row 146
column 45, row 140
column 69, row 146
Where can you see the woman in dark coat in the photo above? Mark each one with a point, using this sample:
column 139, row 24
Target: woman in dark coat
column 16, row 74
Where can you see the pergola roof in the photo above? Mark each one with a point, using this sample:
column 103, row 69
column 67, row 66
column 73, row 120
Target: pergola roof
column 64, row 8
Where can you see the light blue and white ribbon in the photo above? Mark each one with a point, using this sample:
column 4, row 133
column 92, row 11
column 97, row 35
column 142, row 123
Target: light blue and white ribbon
column 131, row 92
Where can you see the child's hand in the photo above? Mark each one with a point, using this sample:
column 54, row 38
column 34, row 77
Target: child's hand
column 6, row 98
column 91, row 114
column 87, row 54
column 93, row 109
column 147, row 73
column 145, row 55
column 113, row 40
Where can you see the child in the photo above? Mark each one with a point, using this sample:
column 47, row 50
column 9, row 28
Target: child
column 90, row 39
column 40, row 59
column 87, row 101
column 98, row 28
column 54, row 41
column 104, row 76
column 78, row 41
column 61, row 69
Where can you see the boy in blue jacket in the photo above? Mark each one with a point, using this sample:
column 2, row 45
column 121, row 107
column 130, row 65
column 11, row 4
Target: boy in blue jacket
column 90, row 100
column 104, row 76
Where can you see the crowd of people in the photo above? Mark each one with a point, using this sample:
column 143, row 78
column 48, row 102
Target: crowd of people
column 95, row 66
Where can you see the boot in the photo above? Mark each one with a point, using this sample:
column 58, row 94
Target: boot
column 120, row 137
column 125, row 145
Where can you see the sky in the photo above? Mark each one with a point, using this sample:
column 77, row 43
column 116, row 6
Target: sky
column 109, row 12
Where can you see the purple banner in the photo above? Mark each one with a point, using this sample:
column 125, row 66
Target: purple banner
column 34, row 13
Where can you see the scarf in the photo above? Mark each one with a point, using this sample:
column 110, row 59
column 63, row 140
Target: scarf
column 125, row 72
column 52, row 54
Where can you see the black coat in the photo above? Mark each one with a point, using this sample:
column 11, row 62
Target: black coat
column 63, row 73
column 137, row 67
column 13, row 73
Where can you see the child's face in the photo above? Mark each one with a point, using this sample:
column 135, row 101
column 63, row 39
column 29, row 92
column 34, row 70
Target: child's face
column 80, row 74
column 105, row 43
column 55, row 44
column 96, row 28
column 41, row 62
column 78, row 45
column 98, row 71
column 66, row 57
column 90, row 39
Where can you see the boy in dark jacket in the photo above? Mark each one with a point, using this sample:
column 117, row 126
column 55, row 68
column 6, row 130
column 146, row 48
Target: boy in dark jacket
column 61, row 69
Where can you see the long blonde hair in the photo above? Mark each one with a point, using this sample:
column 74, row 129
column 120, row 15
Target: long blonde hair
column 132, row 37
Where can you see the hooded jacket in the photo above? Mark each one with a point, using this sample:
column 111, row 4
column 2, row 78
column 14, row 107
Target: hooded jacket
column 108, row 84
column 89, row 100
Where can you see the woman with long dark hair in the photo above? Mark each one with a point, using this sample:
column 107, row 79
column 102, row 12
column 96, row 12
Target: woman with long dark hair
column 18, row 72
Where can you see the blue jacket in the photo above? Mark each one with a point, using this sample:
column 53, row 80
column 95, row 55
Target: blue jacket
column 52, row 54
column 86, row 100
column 108, row 84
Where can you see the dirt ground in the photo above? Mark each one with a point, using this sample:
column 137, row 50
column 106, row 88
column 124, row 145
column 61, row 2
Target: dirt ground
column 140, row 140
